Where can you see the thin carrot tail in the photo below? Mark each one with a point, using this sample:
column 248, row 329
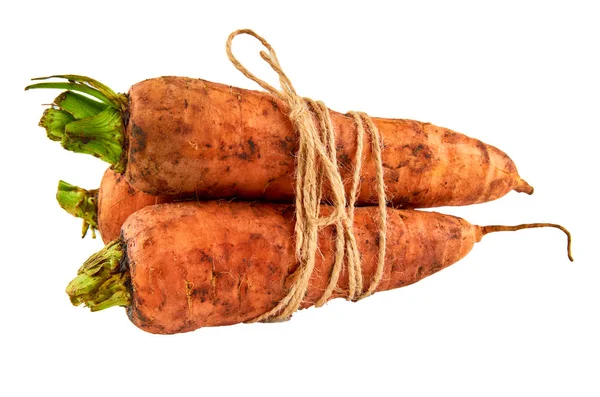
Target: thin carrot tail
column 524, row 187
column 500, row 228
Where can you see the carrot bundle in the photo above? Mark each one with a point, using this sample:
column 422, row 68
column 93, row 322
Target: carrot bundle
column 179, row 266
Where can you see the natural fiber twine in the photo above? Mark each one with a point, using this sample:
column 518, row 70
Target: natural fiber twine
column 316, row 165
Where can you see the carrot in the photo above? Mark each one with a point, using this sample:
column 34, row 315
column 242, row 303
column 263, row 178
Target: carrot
column 181, row 266
column 190, row 137
column 106, row 208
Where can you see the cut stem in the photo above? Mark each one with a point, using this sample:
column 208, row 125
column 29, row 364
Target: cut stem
column 54, row 121
column 90, row 123
column 500, row 228
column 72, row 87
column 79, row 106
column 118, row 100
column 100, row 282
column 101, row 136
column 80, row 203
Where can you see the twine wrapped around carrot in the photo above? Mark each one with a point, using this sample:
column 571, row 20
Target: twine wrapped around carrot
column 270, row 269
column 316, row 164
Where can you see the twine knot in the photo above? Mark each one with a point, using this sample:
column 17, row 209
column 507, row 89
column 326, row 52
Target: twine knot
column 316, row 164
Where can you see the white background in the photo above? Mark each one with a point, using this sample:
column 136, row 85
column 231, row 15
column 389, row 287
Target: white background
column 514, row 318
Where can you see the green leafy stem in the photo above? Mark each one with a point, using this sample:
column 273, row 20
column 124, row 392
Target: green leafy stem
column 80, row 203
column 86, row 118
column 101, row 282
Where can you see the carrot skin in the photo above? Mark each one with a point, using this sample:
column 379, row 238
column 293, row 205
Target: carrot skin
column 194, row 137
column 200, row 264
column 117, row 199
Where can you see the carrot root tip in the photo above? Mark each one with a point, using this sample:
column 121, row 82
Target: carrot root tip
column 501, row 228
column 524, row 187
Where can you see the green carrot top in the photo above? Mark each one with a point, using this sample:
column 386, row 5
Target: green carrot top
column 80, row 203
column 87, row 118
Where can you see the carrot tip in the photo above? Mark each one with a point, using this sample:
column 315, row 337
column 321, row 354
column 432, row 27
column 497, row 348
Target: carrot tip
column 524, row 187
column 501, row 228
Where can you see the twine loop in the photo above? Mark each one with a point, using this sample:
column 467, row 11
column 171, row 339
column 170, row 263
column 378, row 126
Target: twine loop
column 316, row 165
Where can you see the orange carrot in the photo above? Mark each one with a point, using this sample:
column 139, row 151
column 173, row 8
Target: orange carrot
column 190, row 137
column 181, row 266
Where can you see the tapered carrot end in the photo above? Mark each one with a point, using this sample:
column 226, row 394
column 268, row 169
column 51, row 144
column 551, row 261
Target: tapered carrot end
column 523, row 187
column 501, row 228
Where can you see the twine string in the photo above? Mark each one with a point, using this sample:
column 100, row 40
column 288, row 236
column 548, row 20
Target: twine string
column 316, row 166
